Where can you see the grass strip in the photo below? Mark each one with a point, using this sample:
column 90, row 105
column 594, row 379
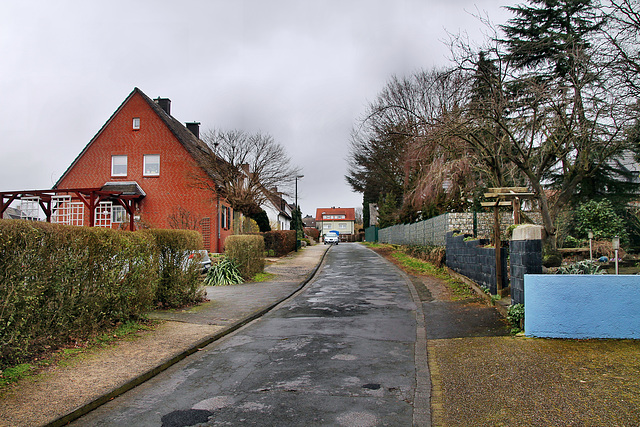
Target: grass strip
column 125, row 331
column 412, row 265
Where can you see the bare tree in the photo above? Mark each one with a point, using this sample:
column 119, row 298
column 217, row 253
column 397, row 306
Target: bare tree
column 552, row 114
column 622, row 31
column 183, row 219
column 397, row 145
column 247, row 167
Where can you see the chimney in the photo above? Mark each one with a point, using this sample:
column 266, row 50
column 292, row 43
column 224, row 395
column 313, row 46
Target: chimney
column 165, row 104
column 194, row 127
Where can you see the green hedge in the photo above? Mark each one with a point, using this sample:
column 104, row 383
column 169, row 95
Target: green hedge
column 61, row 283
column 280, row 242
column 247, row 252
column 180, row 282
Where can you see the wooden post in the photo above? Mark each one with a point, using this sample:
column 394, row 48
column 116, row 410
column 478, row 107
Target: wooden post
column 516, row 211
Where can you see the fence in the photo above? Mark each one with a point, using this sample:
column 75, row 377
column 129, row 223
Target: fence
column 371, row 234
column 433, row 231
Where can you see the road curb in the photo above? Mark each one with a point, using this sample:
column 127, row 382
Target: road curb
column 85, row 409
column 499, row 305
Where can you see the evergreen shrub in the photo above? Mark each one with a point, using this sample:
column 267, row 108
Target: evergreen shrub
column 60, row 283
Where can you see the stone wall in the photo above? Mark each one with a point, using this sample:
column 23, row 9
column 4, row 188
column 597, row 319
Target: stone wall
column 433, row 231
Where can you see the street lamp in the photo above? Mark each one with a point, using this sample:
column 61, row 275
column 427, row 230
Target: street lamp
column 615, row 242
column 297, row 208
column 590, row 245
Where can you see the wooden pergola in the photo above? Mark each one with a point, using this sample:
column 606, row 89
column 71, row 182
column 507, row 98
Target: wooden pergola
column 504, row 197
column 90, row 197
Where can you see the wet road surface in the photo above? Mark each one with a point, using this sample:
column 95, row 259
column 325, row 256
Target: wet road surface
column 341, row 352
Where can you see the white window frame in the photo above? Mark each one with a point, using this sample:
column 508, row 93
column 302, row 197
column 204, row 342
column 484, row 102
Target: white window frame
column 342, row 226
column 61, row 210
column 150, row 157
column 118, row 214
column 136, row 123
column 116, row 161
column 102, row 216
column 326, row 226
column 76, row 213
column 30, row 208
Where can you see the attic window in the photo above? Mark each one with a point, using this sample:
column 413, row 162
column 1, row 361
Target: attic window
column 136, row 123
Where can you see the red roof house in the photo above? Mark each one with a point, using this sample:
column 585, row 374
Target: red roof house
column 144, row 152
column 341, row 220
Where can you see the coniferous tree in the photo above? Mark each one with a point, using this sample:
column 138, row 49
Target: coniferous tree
column 551, row 33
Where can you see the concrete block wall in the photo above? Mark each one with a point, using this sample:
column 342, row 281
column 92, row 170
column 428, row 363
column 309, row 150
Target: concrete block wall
column 477, row 263
column 525, row 255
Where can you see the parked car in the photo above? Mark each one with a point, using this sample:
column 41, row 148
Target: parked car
column 205, row 261
column 331, row 239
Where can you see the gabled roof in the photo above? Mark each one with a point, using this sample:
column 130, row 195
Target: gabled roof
column 200, row 151
column 349, row 213
column 277, row 201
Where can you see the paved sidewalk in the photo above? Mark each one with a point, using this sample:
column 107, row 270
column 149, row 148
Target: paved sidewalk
column 69, row 391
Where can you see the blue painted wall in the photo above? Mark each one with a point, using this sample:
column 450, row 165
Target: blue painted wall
column 582, row 306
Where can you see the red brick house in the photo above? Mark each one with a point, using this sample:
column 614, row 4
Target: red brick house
column 144, row 153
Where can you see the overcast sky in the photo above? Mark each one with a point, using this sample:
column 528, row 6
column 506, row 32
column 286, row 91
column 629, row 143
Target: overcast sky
column 299, row 70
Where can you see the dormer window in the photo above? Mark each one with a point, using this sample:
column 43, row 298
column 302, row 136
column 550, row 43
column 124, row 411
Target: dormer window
column 136, row 123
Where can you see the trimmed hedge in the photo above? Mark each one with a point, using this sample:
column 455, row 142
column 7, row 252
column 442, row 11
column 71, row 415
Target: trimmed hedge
column 281, row 242
column 312, row 232
column 179, row 283
column 247, row 252
column 61, row 283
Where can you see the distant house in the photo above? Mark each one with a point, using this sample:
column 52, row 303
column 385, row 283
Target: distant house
column 309, row 221
column 341, row 220
column 157, row 169
column 15, row 213
column 278, row 210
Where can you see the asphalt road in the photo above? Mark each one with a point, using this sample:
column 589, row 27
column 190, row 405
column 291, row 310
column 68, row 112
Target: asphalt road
column 341, row 352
